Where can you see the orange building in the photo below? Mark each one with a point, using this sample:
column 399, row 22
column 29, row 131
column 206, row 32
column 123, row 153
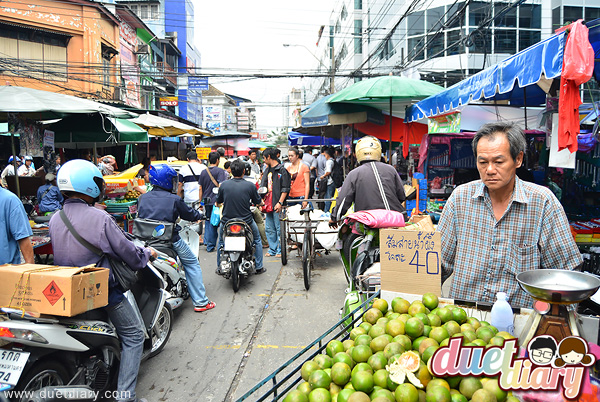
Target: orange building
column 67, row 46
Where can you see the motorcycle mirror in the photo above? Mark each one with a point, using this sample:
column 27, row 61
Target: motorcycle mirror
column 262, row 190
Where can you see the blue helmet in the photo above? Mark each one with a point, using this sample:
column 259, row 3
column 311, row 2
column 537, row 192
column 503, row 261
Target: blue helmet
column 162, row 176
column 10, row 160
column 80, row 176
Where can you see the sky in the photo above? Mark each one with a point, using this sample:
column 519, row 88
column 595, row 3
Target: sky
column 238, row 36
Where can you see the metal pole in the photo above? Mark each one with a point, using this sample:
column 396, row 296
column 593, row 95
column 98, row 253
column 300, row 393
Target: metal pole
column 525, row 101
column 14, row 152
column 390, row 144
column 332, row 84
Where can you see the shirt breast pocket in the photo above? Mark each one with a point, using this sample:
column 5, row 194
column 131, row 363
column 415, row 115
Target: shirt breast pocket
column 522, row 258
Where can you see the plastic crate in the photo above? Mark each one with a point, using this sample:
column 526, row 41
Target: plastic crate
column 113, row 206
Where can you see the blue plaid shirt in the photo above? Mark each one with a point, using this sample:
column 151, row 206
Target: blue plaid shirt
column 486, row 255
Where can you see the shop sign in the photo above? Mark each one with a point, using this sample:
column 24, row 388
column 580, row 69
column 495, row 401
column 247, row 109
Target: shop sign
column 198, row 83
column 169, row 101
column 410, row 261
column 446, row 123
column 128, row 33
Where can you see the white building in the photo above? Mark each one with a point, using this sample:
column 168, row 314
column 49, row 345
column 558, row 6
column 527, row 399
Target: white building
column 443, row 41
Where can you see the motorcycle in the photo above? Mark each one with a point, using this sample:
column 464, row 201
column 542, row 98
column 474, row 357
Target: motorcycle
column 81, row 350
column 237, row 254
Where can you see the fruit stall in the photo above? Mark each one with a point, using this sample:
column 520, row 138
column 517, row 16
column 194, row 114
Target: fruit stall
column 121, row 203
column 406, row 343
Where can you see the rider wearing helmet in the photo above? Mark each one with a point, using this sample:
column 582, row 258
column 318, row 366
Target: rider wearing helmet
column 81, row 183
column 364, row 185
column 9, row 170
column 26, row 169
column 162, row 204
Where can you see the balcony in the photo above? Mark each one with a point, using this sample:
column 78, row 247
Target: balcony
column 165, row 71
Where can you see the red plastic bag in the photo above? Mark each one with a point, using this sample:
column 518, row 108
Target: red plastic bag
column 578, row 59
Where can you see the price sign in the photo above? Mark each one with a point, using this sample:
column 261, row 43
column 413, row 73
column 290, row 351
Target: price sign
column 202, row 153
column 411, row 261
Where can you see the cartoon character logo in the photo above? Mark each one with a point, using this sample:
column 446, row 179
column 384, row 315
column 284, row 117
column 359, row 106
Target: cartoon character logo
column 573, row 351
column 542, row 350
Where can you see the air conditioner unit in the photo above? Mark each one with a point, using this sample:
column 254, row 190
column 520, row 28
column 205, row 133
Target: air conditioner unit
column 143, row 49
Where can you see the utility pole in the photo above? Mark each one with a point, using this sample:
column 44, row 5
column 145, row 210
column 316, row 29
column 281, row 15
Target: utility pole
column 332, row 83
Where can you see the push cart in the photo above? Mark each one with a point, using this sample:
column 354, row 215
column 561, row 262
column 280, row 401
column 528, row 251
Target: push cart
column 308, row 229
column 286, row 377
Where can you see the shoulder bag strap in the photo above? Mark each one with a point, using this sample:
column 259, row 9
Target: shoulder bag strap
column 44, row 194
column 378, row 180
column 193, row 173
column 211, row 177
column 80, row 239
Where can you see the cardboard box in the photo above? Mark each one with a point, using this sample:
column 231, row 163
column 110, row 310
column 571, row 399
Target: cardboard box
column 411, row 260
column 49, row 289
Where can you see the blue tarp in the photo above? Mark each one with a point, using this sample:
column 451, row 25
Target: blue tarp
column 503, row 81
column 305, row 139
column 594, row 27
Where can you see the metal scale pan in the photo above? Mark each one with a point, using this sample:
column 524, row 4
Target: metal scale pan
column 558, row 286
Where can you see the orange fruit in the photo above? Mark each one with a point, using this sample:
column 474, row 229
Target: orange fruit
column 414, row 328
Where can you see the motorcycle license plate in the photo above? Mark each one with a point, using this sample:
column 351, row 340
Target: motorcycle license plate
column 235, row 244
column 12, row 364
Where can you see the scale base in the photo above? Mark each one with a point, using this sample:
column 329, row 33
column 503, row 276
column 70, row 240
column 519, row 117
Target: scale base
column 558, row 322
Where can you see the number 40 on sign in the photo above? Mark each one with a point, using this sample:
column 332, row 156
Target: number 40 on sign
column 410, row 261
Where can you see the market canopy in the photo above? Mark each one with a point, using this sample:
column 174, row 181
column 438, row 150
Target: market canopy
column 85, row 130
column 44, row 105
column 385, row 91
column 161, row 127
column 320, row 113
column 522, row 78
column 299, row 139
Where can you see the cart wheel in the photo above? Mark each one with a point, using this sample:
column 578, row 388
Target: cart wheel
column 283, row 242
column 307, row 258
column 235, row 275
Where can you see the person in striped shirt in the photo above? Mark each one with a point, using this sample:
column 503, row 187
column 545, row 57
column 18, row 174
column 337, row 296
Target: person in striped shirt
column 498, row 226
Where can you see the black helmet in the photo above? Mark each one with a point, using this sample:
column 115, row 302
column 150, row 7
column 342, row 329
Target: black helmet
column 247, row 169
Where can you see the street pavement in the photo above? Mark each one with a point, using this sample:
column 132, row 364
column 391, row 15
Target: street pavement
column 221, row 354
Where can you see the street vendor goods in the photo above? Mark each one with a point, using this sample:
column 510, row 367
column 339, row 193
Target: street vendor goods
column 432, row 351
column 48, row 289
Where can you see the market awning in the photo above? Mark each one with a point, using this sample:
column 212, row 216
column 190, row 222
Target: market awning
column 259, row 144
column 299, row 139
column 44, row 105
column 83, row 130
column 524, row 75
column 320, row 113
column 161, row 127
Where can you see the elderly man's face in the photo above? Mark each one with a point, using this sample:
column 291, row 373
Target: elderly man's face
column 496, row 167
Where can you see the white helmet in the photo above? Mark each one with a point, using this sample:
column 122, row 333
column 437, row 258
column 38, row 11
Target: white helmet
column 80, row 176
column 368, row 149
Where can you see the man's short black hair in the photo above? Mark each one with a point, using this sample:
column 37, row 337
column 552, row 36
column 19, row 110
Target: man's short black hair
column 237, row 168
column 271, row 153
column 324, row 148
column 253, row 151
column 308, row 149
column 330, row 151
column 192, row 156
column 213, row 157
column 226, row 165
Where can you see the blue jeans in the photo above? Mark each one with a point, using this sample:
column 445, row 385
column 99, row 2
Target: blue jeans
column 131, row 336
column 193, row 273
column 329, row 194
column 273, row 232
column 210, row 231
column 258, row 256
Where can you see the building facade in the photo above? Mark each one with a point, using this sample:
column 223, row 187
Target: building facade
column 443, row 41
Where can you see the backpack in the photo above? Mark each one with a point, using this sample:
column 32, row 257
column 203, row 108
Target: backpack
column 337, row 174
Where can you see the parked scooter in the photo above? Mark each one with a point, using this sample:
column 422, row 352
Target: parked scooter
column 237, row 254
column 85, row 349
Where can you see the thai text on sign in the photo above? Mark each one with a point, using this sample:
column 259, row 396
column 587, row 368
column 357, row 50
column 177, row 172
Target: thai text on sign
column 410, row 261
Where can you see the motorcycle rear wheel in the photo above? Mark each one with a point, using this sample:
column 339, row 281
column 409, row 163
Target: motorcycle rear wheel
column 161, row 332
column 44, row 374
column 307, row 259
column 235, row 275
column 283, row 242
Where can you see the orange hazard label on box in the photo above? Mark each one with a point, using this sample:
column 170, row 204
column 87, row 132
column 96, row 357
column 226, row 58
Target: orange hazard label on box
column 52, row 293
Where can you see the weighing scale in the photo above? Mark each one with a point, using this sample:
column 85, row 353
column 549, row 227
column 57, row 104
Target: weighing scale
column 554, row 290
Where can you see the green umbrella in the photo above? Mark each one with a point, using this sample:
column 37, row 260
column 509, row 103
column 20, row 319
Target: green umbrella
column 386, row 93
column 259, row 144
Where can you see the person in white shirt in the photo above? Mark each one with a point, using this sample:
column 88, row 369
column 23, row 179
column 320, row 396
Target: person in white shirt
column 9, row 170
column 189, row 177
column 26, row 169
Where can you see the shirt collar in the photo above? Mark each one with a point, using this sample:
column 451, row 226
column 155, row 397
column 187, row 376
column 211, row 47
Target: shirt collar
column 519, row 194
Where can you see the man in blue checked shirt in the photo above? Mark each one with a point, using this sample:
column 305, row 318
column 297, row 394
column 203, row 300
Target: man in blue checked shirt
column 494, row 228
